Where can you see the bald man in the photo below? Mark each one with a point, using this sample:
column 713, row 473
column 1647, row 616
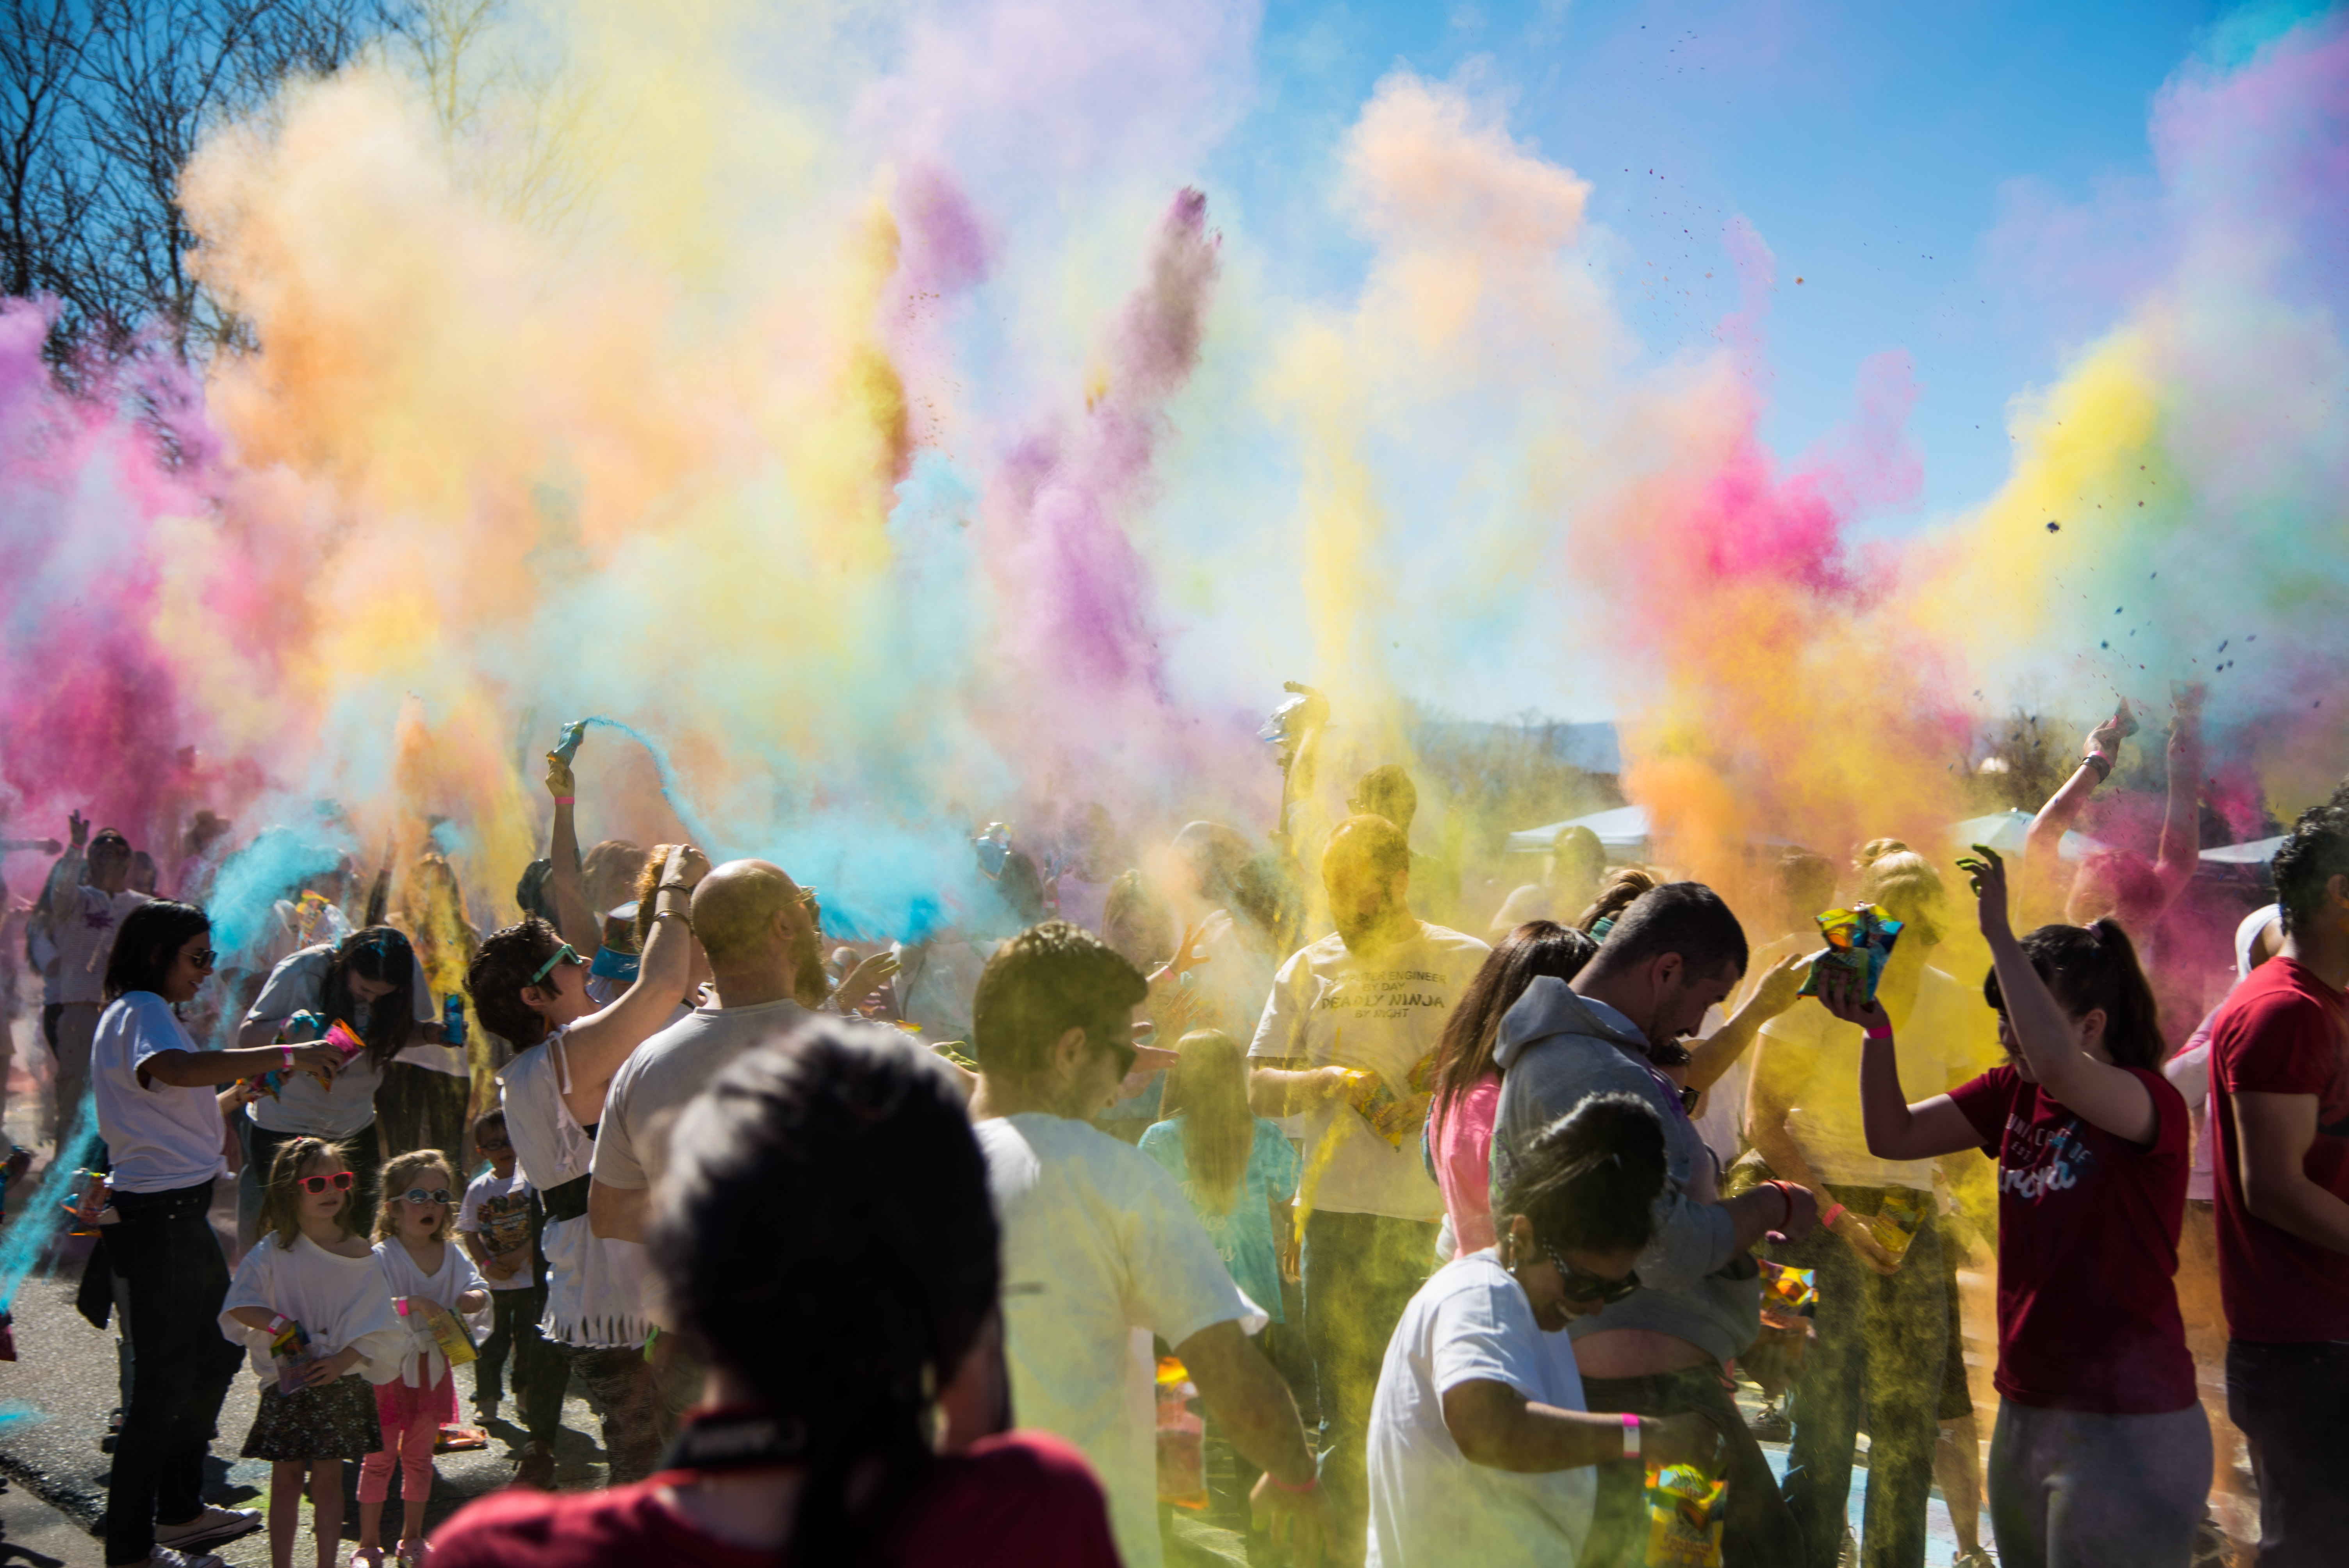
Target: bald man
column 766, row 978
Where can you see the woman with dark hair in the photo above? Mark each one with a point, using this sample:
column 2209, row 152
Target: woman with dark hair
column 2102, row 1454
column 161, row 1122
column 370, row 980
column 828, row 1248
column 1468, row 1086
column 530, row 987
column 1480, row 1449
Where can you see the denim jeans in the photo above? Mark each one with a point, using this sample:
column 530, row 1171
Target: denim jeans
column 2293, row 1402
column 1881, row 1340
column 1361, row 1271
column 163, row 1250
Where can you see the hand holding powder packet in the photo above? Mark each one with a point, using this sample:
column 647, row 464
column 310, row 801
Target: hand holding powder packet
column 1860, row 939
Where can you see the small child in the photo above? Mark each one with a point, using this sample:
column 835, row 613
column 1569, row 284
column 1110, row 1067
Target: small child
column 421, row 1264
column 311, row 1289
column 497, row 1227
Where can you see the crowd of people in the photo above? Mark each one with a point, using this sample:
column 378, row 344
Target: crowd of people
column 916, row 1250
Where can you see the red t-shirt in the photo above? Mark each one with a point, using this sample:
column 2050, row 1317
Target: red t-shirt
column 2282, row 1032
column 2088, row 1250
column 1024, row 1498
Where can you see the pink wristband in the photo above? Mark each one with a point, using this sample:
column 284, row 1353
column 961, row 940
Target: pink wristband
column 566, row 799
column 1875, row 1032
column 1827, row 1220
column 1630, row 1436
column 1300, row 1487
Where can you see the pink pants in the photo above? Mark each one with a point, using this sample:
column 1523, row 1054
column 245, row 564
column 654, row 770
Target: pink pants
column 412, row 1422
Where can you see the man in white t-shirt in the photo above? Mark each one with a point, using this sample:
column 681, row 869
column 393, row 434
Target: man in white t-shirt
column 83, row 919
column 1100, row 1250
column 1357, row 1012
column 766, row 977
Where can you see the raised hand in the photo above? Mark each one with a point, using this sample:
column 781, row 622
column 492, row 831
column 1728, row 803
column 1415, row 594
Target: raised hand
column 864, row 979
column 80, row 826
column 1779, row 983
column 559, row 781
column 1840, row 993
column 1986, row 872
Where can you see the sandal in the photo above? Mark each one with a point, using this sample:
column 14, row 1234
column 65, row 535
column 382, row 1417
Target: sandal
column 411, row 1554
column 366, row 1557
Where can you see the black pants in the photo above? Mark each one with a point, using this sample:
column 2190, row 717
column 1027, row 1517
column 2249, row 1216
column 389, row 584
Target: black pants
column 420, row 1108
column 165, row 1250
column 540, row 1373
column 1758, row 1532
column 1882, row 1338
column 260, row 1147
column 2293, row 1402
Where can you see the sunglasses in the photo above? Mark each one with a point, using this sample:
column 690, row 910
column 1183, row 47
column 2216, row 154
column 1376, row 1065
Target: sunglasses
column 1581, row 1287
column 565, row 954
column 499, row 1147
column 204, row 960
column 340, row 1182
column 419, row 1195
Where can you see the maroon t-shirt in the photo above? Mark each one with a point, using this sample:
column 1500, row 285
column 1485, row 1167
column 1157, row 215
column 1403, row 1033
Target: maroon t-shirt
column 2282, row 1032
column 1024, row 1498
column 2088, row 1250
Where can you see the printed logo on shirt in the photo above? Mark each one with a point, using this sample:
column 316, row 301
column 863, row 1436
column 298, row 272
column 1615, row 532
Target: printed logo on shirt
column 2037, row 1161
column 1385, row 994
column 505, row 1222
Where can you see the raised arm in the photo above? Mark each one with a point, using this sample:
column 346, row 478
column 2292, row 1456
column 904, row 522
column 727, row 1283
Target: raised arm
column 597, row 1044
column 1719, row 1051
column 2181, row 824
column 573, row 917
column 2112, row 1098
column 2042, row 882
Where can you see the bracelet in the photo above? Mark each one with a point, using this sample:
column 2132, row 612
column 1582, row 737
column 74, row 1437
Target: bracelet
column 1311, row 1483
column 1630, row 1436
column 2100, row 762
column 670, row 887
column 278, row 1322
column 1827, row 1220
column 1874, row 1031
column 566, row 799
column 1788, row 1194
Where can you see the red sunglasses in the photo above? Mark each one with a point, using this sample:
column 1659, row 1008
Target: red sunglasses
column 340, row 1182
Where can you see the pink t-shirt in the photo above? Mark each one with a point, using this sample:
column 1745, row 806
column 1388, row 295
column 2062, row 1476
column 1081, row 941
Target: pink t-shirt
column 1462, row 1143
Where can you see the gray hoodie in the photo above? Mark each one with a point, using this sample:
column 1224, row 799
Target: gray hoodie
column 1558, row 1049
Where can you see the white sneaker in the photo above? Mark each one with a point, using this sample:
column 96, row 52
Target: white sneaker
column 212, row 1524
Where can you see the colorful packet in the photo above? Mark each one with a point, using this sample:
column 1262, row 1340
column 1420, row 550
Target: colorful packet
column 429, row 1320
column 87, row 1200
column 1789, row 1294
column 1393, row 1117
column 1858, row 939
column 290, row 1348
column 340, row 1035
column 1896, row 1224
column 1182, row 1438
column 1686, row 1514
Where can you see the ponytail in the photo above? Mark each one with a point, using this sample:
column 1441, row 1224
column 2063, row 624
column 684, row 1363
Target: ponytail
column 2095, row 966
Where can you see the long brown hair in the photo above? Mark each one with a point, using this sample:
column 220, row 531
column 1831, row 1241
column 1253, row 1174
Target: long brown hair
column 281, row 1200
column 1208, row 1088
column 1464, row 1054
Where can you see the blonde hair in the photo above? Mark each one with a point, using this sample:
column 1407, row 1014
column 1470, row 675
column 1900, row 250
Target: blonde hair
column 397, row 1172
column 1905, row 885
column 281, row 1200
column 1207, row 1087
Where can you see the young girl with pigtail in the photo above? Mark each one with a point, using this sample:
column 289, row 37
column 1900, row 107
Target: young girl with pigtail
column 423, row 1268
column 309, row 1303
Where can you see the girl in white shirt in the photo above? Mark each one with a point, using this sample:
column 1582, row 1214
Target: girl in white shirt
column 313, row 1271
column 421, row 1264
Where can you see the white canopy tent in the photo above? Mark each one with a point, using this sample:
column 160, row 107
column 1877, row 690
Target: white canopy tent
column 1624, row 833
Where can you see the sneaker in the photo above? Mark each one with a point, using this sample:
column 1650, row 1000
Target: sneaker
column 214, row 1525
column 487, row 1410
column 1979, row 1557
column 534, row 1468
column 171, row 1557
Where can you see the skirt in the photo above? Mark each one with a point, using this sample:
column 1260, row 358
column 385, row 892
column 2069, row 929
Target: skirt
column 336, row 1423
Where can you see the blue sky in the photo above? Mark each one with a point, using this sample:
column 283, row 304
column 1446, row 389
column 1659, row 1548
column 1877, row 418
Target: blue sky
column 1901, row 160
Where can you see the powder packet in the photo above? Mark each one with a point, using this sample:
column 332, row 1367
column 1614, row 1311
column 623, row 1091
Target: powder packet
column 1686, row 1510
column 1789, row 1294
column 1896, row 1224
column 290, row 1348
column 1182, row 1438
column 1858, row 939
column 1393, row 1117
column 302, row 1029
column 432, row 1322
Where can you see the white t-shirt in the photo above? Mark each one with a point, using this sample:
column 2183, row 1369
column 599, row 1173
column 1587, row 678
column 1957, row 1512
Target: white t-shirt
column 497, row 1210
column 1429, row 1505
column 298, row 985
column 1819, row 1054
column 421, row 1362
column 339, row 1302
column 83, row 922
column 662, row 1077
column 1384, row 1013
column 1100, row 1251
column 160, row 1137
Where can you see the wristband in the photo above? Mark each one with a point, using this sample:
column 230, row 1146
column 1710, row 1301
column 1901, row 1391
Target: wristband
column 1788, row 1194
column 1875, row 1032
column 1630, row 1436
column 277, row 1323
column 1827, row 1220
column 566, row 799
column 2100, row 762
column 287, row 1052
column 1311, row 1483
column 670, row 887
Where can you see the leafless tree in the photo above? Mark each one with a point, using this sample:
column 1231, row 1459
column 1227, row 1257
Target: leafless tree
column 43, row 190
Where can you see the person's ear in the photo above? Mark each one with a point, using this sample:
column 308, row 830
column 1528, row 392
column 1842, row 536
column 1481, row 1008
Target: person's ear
column 2091, row 1024
column 535, row 998
column 1667, row 972
column 1069, row 1053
